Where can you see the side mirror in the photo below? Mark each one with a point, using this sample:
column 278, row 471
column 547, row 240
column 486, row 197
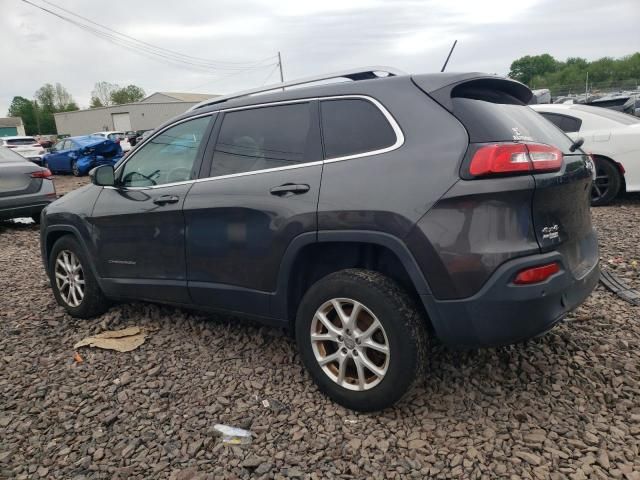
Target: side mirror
column 103, row 176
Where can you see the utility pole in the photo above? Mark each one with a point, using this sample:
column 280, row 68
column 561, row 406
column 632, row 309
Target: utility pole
column 586, row 89
column 280, row 66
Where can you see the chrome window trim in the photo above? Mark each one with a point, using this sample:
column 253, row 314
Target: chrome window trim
column 392, row 121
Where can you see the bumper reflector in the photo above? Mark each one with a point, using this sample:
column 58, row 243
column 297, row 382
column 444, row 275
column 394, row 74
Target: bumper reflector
column 536, row 274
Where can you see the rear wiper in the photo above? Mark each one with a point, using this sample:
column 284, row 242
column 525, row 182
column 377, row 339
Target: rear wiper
column 576, row 145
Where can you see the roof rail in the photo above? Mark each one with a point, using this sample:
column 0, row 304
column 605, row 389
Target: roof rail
column 363, row 73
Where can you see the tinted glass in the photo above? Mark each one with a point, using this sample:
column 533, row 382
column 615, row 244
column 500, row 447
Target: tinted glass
column 22, row 141
column 353, row 126
column 67, row 145
column 261, row 138
column 166, row 158
column 563, row 122
column 495, row 116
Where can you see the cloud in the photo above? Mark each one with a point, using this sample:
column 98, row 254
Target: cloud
column 314, row 37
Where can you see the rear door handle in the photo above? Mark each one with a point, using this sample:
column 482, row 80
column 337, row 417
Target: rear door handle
column 290, row 189
column 165, row 199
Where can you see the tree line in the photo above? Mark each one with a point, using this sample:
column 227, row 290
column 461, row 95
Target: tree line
column 37, row 113
column 544, row 71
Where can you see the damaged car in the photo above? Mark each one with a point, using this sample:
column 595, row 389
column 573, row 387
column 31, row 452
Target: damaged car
column 78, row 155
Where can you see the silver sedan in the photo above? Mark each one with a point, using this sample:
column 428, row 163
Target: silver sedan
column 25, row 188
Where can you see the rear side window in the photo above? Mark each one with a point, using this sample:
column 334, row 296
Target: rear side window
column 491, row 115
column 262, row 138
column 563, row 122
column 353, row 126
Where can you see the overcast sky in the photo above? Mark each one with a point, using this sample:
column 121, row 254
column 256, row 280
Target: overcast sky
column 314, row 37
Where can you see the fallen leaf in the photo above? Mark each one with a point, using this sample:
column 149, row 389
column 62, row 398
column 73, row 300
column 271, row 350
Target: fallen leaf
column 123, row 340
column 77, row 358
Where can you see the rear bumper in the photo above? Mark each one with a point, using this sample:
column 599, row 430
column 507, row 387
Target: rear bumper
column 28, row 205
column 503, row 313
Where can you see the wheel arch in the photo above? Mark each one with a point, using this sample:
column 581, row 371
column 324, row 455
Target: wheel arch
column 618, row 165
column 312, row 256
column 56, row 232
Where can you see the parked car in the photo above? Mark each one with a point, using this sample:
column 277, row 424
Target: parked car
column 25, row 188
column 78, row 155
column 132, row 137
column 365, row 216
column 143, row 134
column 28, row 147
column 118, row 137
column 612, row 137
column 46, row 141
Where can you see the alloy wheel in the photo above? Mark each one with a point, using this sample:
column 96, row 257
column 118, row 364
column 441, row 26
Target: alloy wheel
column 69, row 278
column 601, row 183
column 350, row 344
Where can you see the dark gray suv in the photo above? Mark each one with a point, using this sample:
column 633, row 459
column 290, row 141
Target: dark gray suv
column 365, row 215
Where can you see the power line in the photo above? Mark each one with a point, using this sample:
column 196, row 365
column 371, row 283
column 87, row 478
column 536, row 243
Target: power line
column 148, row 50
column 172, row 52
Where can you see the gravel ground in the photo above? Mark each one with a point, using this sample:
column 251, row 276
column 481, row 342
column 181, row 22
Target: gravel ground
column 566, row 405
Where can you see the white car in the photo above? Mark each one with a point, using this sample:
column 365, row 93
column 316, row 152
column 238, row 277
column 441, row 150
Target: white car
column 118, row 137
column 613, row 138
column 28, row 147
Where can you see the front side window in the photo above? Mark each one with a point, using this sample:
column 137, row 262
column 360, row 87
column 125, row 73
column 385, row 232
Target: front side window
column 353, row 126
column 262, row 138
column 166, row 158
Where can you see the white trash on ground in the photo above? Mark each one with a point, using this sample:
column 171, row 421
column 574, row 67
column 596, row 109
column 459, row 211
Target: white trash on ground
column 233, row 435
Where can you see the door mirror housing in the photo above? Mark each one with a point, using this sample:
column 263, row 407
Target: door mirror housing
column 103, row 176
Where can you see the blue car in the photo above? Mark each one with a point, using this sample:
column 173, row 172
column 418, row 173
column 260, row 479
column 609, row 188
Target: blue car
column 78, row 155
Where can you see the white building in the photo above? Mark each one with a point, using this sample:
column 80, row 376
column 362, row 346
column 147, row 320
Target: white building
column 146, row 114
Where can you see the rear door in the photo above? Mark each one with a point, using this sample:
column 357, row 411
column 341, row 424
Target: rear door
column 139, row 225
column 59, row 159
column 260, row 192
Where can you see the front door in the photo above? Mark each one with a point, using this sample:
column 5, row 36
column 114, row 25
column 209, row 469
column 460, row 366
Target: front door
column 139, row 224
column 261, row 192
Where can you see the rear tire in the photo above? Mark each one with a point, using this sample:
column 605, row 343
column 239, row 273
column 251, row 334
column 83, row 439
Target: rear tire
column 358, row 363
column 607, row 184
column 74, row 168
column 72, row 280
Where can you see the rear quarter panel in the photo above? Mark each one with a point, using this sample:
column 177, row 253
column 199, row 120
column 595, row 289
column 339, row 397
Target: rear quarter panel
column 389, row 192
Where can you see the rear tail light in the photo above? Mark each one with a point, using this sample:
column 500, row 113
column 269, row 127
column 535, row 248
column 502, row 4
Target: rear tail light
column 44, row 173
column 536, row 274
column 505, row 158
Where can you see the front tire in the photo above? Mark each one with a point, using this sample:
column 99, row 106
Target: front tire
column 607, row 184
column 361, row 338
column 74, row 285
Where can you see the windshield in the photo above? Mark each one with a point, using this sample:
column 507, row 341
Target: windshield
column 7, row 155
column 618, row 117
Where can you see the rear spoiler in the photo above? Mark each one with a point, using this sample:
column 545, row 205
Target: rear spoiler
column 442, row 86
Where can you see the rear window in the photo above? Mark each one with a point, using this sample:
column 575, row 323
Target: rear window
column 21, row 141
column 565, row 123
column 496, row 116
column 353, row 126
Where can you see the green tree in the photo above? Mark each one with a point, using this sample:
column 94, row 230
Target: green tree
column 50, row 99
column 95, row 103
column 128, row 94
column 24, row 108
column 526, row 68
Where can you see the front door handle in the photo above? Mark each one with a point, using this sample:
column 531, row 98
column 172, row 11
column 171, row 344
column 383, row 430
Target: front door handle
column 165, row 199
column 290, row 189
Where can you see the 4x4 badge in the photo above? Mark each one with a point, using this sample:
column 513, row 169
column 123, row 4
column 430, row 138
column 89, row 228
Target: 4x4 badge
column 551, row 233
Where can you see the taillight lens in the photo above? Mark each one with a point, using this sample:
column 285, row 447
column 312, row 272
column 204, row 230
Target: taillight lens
column 536, row 274
column 45, row 173
column 505, row 158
